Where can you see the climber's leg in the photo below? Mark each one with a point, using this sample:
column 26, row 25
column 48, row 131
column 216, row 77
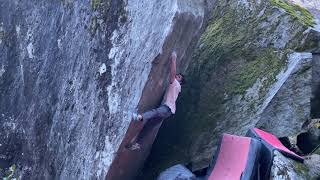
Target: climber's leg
column 157, row 114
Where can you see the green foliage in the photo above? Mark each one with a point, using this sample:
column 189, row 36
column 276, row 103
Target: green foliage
column 300, row 13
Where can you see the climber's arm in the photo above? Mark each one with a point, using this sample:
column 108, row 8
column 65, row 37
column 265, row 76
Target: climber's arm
column 173, row 67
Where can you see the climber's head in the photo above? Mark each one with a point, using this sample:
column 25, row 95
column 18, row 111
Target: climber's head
column 180, row 78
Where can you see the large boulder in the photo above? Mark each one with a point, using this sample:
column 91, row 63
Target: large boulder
column 71, row 73
column 252, row 67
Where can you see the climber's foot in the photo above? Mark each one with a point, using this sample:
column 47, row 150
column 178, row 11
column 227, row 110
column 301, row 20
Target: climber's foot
column 136, row 117
column 132, row 147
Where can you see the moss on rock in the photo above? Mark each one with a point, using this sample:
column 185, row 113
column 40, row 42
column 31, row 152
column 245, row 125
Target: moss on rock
column 95, row 4
column 265, row 65
column 109, row 12
column 300, row 13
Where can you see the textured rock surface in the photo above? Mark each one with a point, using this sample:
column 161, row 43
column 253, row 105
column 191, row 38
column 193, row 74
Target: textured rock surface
column 246, row 63
column 313, row 6
column 287, row 169
column 315, row 100
column 290, row 107
column 177, row 172
column 72, row 71
column 313, row 163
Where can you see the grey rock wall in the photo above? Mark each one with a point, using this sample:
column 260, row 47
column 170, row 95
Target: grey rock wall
column 71, row 72
column 54, row 114
column 290, row 108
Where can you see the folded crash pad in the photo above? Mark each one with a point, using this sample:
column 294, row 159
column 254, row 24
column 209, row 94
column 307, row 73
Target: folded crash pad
column 236, row 158
column 270, row 143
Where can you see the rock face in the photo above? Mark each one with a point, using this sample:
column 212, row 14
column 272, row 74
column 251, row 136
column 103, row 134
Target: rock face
column 313, row 163
column 284, row 168
column 252, row 68
column 315, row 100
column 71, row 72
column 289, row 108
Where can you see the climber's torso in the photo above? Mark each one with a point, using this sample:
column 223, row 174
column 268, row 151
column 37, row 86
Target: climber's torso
column 171, row 95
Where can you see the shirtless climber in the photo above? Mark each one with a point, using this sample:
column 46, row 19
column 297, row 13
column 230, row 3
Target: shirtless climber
column 168, row 105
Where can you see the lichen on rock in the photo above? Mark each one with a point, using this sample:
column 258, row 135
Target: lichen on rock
column 285, row 169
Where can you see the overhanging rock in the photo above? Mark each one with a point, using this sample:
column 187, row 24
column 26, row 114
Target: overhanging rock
column 143, row 56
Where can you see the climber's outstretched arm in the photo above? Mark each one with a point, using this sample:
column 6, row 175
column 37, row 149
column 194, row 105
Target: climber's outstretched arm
column 173, row 67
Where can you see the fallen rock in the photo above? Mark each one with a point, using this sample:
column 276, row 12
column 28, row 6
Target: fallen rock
column 177, row 172
column 284, row 168
column 313, row 163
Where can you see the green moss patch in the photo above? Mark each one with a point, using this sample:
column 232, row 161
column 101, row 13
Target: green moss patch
column 300, row 13
column 228, row 40
column 264, row 65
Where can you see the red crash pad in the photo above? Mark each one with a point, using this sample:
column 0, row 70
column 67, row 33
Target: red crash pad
column 232, row 158
column 274, row 141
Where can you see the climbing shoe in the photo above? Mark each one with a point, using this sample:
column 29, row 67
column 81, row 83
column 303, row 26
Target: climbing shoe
column 135, row 117
column 135, row 146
